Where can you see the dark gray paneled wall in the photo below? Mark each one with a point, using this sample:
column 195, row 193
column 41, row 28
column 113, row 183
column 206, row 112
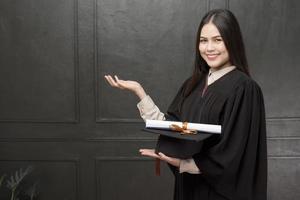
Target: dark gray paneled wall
column 82, row 137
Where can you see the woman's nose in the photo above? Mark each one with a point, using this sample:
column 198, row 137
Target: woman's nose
column 210, row 46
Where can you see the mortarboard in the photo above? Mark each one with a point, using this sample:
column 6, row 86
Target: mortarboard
column 179, row 139
column 177, row 145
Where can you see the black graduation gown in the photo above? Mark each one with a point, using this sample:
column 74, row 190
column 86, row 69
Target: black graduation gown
column 233, row 165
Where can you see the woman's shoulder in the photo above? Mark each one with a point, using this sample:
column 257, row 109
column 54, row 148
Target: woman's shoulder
column 240, row 79
column 244, row 83
column 237, row 82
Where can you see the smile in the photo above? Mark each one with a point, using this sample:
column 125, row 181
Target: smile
column 211, row 56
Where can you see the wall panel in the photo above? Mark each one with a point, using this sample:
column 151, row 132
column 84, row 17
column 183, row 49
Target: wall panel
column 269, row 29
column 54, row 179
column 39, row 61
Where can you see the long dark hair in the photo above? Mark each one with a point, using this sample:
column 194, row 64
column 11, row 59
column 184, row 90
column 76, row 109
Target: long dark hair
column 229, row 29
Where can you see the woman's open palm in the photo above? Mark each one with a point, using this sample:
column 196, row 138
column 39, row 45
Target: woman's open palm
column 132, row 86
column 122, row 84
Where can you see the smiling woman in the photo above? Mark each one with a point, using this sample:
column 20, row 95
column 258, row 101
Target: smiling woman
column 232, row 165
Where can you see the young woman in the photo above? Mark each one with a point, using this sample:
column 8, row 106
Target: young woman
column 232, row 165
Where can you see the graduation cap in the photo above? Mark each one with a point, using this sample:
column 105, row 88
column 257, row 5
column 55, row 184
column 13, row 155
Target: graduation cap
column 179, row 139
column 175, row 144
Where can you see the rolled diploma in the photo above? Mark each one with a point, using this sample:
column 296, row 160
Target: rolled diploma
column 160, row 124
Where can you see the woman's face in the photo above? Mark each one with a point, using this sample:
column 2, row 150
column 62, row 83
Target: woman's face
column 212, row 48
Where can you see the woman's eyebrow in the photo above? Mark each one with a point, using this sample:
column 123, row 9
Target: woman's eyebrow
column 211, row 37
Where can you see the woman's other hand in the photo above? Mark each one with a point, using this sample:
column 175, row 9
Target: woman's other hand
column 151, row 153
column 132, row 86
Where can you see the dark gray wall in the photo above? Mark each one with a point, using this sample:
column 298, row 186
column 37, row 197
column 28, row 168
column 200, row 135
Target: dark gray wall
column 82, row 137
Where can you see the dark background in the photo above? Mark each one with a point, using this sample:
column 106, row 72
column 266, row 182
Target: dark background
column 81, row 136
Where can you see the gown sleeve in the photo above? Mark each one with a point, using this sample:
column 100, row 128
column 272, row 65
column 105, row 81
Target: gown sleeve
column 237, row 165
column 148, row 109
column 174, row 110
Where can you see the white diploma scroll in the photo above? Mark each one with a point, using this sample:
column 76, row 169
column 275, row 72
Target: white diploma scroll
column 161, row 124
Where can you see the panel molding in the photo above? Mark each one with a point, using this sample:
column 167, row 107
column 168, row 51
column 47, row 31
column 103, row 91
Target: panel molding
column 272, row 119
column 76, row 80
column 283, row 157
column 112, row 139
column 283, row 128
column 128, row 120
column 100, row 139
column 119, row 120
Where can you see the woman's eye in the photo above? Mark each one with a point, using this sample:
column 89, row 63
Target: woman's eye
column 202, row 41
column 218, row 40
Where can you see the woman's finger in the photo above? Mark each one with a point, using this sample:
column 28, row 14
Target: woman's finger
column 112, row 82
column 108, row 79
column 149, row 152
column 116, row 77
column 120, row 83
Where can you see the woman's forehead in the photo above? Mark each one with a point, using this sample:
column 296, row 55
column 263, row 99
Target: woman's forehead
column 209, row 30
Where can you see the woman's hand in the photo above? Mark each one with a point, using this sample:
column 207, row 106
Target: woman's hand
column 132, row 86
column 151, row 153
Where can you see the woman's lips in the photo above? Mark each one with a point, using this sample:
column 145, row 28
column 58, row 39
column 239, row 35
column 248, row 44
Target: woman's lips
column 211, row 56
